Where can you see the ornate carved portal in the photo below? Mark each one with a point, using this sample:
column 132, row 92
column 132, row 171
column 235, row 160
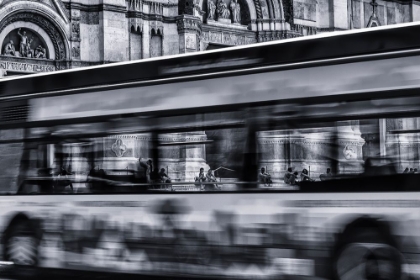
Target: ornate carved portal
column 24, row 43
column 53, row 32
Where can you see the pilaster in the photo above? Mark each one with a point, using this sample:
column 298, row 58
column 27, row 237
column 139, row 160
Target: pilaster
column 189, row 30
column 75, row 38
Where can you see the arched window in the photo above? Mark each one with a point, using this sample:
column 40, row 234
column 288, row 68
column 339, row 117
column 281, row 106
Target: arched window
column 156, row 43
column 135, row 43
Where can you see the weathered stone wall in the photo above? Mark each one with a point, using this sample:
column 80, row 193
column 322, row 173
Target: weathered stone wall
column 90, row 43
column 323, row 16
column 115, row 31
column 170, row 39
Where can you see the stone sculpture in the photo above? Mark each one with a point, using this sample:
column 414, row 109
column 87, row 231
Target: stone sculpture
column 23, row 43
column 40, row 52
column 222, row 10
column 236, row 11
column 9, row 49
column 211, row 10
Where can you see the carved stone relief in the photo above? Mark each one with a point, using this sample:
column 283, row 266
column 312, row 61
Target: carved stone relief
column 26, row 67
column 75, row 30
column 190, row 41
column 222, row 10
column 227, row 12
column 227, row 38
column 52, row 31
column 211, row 10
column 75, row 51
column 24, row 43
column 235, row 9
column 189, row 24
column 264, row 8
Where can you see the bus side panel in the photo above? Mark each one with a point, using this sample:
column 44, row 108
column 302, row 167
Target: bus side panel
column 214, row 234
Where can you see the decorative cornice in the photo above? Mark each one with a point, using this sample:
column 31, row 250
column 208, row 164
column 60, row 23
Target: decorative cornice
column 215, row 29
column 26, row 65
column 148, row 17
column 108, row 7
column 96, row 8
column 330, row 29
column 267, row 20
column 228, row 38
column 189, row 23
column 266, row 36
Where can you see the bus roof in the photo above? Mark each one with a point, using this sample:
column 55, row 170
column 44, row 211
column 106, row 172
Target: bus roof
column 311, row 48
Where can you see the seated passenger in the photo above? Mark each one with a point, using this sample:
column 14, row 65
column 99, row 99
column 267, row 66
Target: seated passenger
column 211, row 178
column 289, row 177
column 264, row 177
column 406, row 170
column 411, row 170
column 163, row 177
column 304, row 176
column 200, row 178
column 326, row 176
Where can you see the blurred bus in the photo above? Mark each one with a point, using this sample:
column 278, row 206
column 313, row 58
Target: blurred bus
column 286, row 159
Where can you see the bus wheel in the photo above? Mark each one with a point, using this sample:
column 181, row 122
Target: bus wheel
column 365, row 260
column 22, row 249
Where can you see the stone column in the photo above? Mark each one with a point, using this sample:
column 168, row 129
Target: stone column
column 75, row 38
column 189, row 30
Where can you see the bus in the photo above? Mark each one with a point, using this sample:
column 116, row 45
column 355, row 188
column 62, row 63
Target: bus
column 279, row 160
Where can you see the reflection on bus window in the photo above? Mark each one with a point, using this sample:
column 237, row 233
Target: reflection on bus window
column 286, row 157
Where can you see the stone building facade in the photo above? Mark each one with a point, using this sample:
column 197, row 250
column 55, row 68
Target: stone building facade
column 48, row 35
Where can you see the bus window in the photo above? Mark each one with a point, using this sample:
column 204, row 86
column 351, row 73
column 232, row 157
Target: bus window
column 77, row 161
column 208, row 160
column 290, row 156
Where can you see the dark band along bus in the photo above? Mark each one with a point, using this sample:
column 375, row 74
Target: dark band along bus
column 215, row 164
